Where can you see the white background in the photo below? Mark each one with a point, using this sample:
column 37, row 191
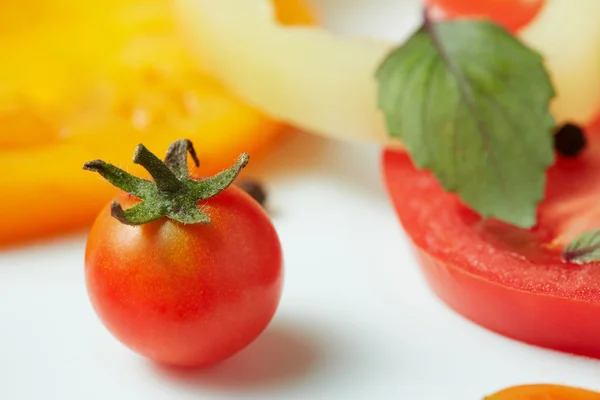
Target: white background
column 356, row 320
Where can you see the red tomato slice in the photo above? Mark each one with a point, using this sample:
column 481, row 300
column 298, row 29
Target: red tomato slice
column 509, row 280
column 511, row 14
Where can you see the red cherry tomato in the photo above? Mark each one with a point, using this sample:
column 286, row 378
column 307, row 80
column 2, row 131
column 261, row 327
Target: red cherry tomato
column 511, row 14
column 510, row 280
column 186, row 295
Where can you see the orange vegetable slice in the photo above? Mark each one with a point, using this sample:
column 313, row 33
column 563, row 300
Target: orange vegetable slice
column 544, row 392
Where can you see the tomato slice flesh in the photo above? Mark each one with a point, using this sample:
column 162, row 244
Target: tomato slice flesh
column 509, row 280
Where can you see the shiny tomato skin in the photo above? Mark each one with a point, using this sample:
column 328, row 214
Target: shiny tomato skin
column 509, row 280
column 186, row 295
column 513, row 15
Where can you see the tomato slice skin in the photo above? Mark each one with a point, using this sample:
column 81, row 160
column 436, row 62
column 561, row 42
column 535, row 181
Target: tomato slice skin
column 513, row 15
column 508, row 280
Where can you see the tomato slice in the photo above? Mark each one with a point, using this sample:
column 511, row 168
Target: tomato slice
column 509, row 280
column 511, row 14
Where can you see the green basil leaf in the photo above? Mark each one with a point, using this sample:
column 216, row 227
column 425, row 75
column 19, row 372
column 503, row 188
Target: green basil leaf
column 584, row 248
column 471, row 104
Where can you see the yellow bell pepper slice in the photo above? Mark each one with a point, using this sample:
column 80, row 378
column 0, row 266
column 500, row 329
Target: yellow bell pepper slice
column 91, row 82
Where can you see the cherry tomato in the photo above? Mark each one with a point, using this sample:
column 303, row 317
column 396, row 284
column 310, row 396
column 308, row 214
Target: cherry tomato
column 511, row 14
column 510, row 280
column 186, row 294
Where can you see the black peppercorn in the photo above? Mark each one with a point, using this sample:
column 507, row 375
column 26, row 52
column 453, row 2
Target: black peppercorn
column 569, row 140
column 254, row 189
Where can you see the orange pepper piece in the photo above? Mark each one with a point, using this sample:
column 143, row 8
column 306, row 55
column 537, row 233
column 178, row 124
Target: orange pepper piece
column 544, row 392
column 146, row 90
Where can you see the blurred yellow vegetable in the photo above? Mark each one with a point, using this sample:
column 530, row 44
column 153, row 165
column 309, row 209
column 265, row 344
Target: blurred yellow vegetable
column 81, row 81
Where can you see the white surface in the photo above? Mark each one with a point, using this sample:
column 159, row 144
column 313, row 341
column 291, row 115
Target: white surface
column 356, row 319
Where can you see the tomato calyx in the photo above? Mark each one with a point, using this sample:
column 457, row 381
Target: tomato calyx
column 569, row 140
column 173, row 194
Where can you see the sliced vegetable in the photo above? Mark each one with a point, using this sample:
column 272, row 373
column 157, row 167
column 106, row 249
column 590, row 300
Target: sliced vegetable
column 47, row 181
column 302, row 75
column 510, row 280
column 544, row 392
column 183, row 270
column 341, row 69
column 570, row 55
column 510, row 14
column 126, row 79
